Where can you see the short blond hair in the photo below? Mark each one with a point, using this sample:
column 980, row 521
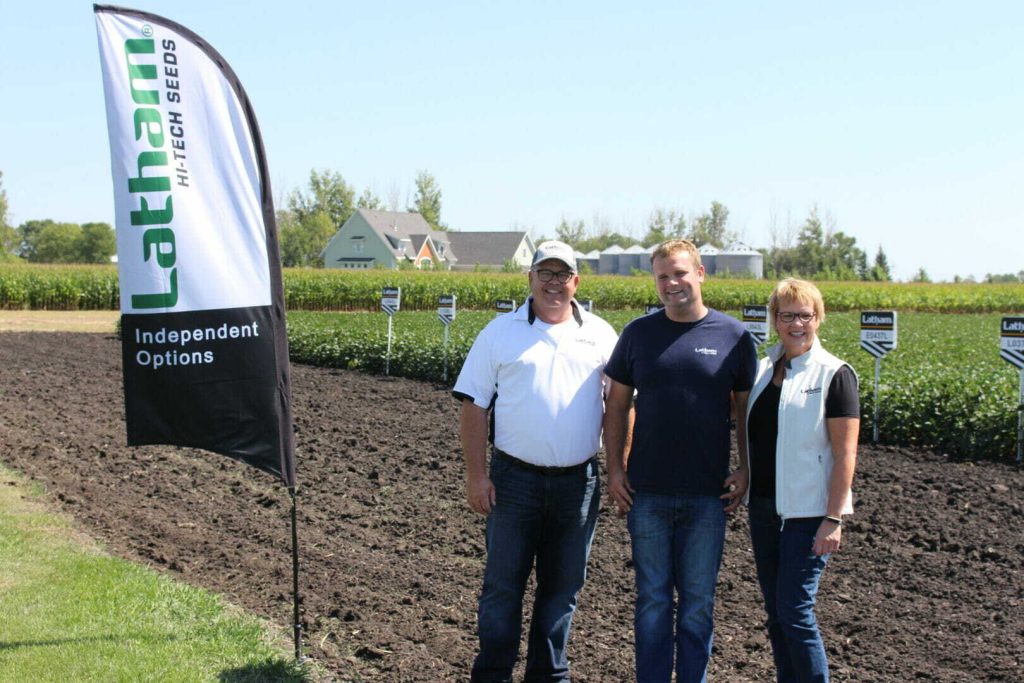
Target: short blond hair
column 670, row 247
column 800, row 291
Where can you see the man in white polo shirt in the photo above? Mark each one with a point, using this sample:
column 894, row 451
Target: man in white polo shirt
column 541, row 370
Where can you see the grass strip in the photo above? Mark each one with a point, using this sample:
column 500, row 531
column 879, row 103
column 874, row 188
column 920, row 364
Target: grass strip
column 71, row 613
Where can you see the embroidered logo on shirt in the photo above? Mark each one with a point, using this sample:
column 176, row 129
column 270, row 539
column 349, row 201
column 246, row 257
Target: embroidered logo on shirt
column 582, row 340
column 706, row 351
column 816, row 390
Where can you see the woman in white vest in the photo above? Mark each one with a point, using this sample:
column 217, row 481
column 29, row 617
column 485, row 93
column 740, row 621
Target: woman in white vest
column 803, row 419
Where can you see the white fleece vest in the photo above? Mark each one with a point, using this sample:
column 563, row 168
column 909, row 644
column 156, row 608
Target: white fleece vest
column 803, row 456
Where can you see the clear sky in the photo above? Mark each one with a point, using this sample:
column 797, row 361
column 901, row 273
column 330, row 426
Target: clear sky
column 902, row 121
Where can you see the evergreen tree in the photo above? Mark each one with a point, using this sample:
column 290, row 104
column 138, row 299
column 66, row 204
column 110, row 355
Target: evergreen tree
column 880, row 271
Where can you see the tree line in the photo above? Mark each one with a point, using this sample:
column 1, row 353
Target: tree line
column 312, row 215
column 818, row 252
column 47, row 241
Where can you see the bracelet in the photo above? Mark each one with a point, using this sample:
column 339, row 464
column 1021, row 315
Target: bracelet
column 838, row 521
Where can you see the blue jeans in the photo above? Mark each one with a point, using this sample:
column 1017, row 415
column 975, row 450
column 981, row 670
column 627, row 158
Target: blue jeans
column 788, row 572
column 677, row 545
column 550, row 519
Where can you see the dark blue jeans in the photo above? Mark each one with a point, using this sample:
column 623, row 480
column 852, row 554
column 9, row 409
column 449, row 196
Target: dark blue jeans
column 549, row 519
column 789, row 571
column 677, row 546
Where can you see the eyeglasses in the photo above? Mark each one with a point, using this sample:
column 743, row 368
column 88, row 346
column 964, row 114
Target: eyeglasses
column 545, row 275
column 788, row 317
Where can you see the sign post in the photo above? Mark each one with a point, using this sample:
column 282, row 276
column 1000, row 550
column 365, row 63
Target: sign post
column 1011, row 349
column 755, row 320
column 446, row 314
column 504, row 306
column 390, row 303
column 877, row 337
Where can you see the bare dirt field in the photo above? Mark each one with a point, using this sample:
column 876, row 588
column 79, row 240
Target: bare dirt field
column 929, row 584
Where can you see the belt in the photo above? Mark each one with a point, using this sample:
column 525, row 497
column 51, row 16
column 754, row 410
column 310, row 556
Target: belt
column 542, row 469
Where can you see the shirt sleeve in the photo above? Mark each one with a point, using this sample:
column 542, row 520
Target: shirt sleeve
column 477, row 380
column 618, row 367
column 843, row 399
column 748, row 363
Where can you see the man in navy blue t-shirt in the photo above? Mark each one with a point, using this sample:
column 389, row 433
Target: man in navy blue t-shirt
column 687, row 364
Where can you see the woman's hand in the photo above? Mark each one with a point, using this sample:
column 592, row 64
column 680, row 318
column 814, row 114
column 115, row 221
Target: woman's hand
column 826, row 540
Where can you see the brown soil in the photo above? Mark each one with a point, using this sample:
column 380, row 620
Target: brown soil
column 929, row 584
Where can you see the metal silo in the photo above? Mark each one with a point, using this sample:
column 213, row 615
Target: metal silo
column 631, row 259
column 610, row 260
column 740, row 260
column 592, row 259
column 708, row 258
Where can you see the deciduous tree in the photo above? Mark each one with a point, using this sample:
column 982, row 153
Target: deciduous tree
column 8, row 235
column 664, row 224
column 369, row 200
column 97, row 243
column 427, row 201
column 712, row 227
column 49, row 242
column 572, row 233
column 328, row 194
column 304, row 239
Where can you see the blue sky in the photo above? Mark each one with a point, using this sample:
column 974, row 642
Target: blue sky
column 900, row 121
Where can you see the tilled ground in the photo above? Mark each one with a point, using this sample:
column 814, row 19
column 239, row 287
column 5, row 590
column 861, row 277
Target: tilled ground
column 929, row 584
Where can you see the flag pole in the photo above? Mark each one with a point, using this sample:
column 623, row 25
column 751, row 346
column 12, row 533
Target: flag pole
column 295, row 581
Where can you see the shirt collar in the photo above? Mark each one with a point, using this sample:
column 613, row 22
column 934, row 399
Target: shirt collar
column 576, row 313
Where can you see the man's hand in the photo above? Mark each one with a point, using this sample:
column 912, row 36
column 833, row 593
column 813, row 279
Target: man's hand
column 620, row 491
column 735, row 486
column 480, row 495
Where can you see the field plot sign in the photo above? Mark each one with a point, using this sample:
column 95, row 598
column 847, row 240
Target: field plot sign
column 446, row 314
column 755, row 320
column 877, row 337
column 1011, row 349
column 504, row 306
column 587, row 305
column 390, row 303
column 651, row 308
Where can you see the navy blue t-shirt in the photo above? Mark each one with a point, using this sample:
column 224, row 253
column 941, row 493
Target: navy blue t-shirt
column 683, row 374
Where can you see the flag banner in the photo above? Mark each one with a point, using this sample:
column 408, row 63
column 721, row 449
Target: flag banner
column 203, row 331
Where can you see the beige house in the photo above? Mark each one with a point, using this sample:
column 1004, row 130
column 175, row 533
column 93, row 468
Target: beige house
column 385, row 239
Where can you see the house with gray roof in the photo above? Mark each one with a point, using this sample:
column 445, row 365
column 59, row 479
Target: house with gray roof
column 386, row 239
column 491, row 250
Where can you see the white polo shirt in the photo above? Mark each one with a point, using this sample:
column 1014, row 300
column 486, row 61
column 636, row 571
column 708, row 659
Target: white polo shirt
column 549, row 382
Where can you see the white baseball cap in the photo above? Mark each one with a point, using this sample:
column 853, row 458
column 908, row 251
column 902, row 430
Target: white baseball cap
column 555, row 250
